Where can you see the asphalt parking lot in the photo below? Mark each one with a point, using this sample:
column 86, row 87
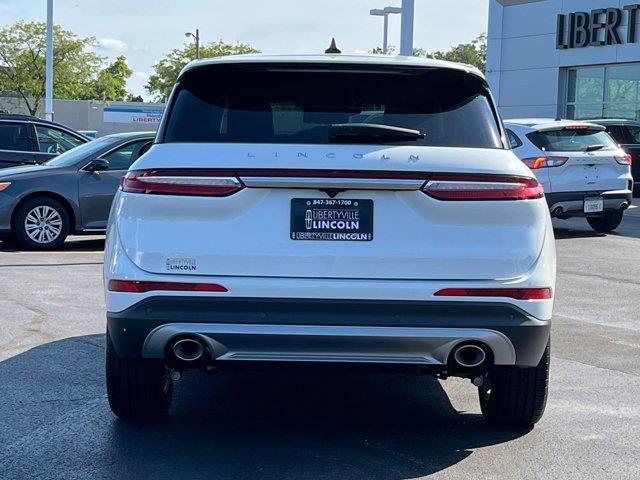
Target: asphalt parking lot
column 55, row 421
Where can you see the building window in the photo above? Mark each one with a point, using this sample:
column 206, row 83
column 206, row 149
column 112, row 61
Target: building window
column 604, row 92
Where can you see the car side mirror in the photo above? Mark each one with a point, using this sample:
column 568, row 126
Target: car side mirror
column 98, row 165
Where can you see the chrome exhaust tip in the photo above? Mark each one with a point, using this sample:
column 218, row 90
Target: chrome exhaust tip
column 188, row 350
column 469, row 356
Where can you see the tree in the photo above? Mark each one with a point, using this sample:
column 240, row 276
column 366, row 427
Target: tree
column 111, row 82
column 134, row 98
column 391, row 50
column 166, row 71
column 76, row 69
column 472, row 53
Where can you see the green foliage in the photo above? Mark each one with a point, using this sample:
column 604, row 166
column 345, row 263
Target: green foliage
column 134, row 98
column 77, row 73
column 111, row 82
column 391, row 50
column 472, row 53
column 166, row 71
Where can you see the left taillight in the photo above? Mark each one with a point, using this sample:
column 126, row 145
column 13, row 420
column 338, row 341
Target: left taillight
column 534, row 163
column 625, row 159
column 205, row 183
column 482, row 187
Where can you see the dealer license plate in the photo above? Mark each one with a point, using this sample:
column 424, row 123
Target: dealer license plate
column 331, row 219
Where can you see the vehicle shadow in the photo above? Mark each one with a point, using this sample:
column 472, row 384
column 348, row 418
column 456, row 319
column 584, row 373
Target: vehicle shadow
column 578, row 228
column 570, row 233
column 55, row 420
column 73, row 244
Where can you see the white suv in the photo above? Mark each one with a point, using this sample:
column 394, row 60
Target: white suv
column 330, row 210
column 583, row 171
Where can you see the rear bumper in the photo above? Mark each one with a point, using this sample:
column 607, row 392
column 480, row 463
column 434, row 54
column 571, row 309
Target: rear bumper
column 572, row 203
column 312, row 330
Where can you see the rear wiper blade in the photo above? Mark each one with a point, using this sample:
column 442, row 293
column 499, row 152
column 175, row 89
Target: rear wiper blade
column 593, row 148
column 343, row 132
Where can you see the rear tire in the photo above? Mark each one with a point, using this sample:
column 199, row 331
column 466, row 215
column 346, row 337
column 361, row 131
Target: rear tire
column 607, row 223
column 139, row 389
column 41, row 223
column 516, row 397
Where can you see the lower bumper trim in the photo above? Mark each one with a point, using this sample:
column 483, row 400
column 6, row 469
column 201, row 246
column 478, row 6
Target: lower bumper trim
column 334, row 344
column 275, row 328
column 572, row 203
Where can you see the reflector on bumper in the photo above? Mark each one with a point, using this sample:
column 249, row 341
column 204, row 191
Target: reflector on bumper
column 135, row 286
column 517, row 293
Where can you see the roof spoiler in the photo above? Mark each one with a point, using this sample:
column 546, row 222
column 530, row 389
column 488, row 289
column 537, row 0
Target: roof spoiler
column 572, row 126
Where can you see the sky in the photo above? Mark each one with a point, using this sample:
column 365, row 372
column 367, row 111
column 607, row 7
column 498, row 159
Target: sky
column 145, row 30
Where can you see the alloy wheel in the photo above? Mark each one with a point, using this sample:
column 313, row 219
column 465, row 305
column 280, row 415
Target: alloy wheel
column 43, row 224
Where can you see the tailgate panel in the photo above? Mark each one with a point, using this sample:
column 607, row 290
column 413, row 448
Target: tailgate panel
column 414, row 237
column 596, row 171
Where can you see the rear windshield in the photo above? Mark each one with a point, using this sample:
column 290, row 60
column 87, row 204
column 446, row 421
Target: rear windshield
column 572, row 140
column 284, row 103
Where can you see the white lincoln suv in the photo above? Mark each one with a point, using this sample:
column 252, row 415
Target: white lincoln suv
column 331, row 210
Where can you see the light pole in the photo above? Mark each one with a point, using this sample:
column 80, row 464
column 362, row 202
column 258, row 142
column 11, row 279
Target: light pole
column 406, row 29
column 385, row 12
column 196, row 37
column 48, row 71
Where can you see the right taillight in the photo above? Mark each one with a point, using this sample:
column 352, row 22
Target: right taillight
column 625, row 159
column 482, row 187
column 206, row 183
column 535, row 163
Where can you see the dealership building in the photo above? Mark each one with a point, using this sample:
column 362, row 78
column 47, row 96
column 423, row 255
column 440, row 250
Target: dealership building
column 565, row 58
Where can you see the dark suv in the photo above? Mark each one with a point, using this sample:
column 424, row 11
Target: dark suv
column 26, row 140
column 627, row 134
